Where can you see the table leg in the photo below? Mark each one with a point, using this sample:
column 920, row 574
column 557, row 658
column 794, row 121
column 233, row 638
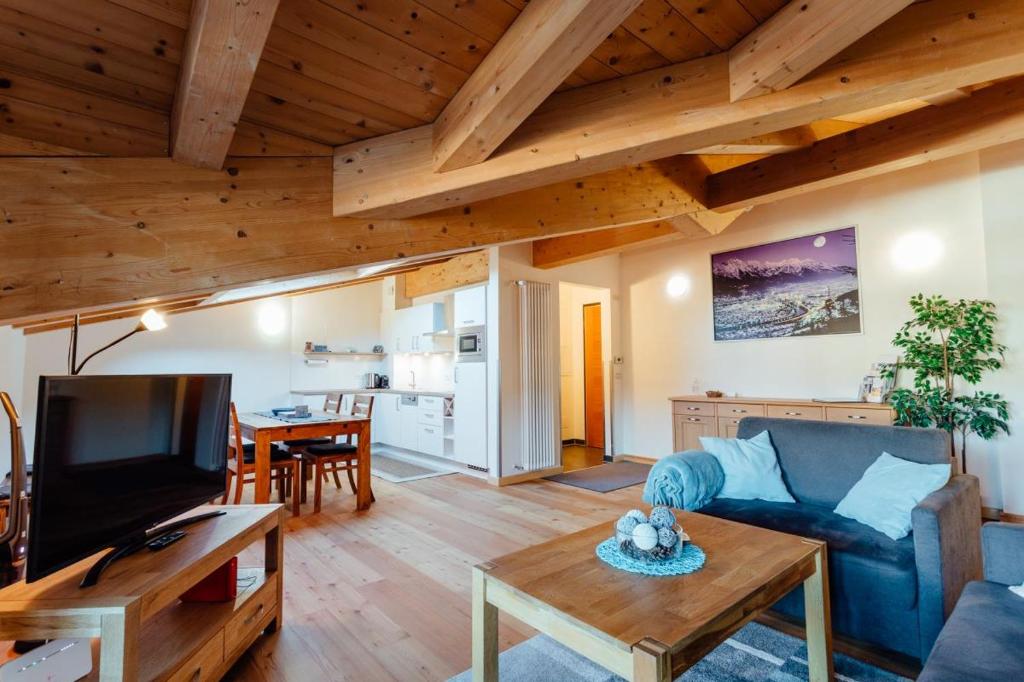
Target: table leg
column 262, row 463
column 119, row 638
column 652, row 662
column 365, row 493
column 818, row 620
column 485, row 632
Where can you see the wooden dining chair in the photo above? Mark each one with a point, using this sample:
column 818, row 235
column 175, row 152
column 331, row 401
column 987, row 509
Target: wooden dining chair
column 332, row 403
column 334, row 457
column 284, row 468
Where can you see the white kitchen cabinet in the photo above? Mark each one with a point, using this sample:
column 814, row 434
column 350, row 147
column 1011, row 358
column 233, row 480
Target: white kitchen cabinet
column 471, row 413
column 412, row 328
column 409, row 426
column 471, row 307
column 385, row 420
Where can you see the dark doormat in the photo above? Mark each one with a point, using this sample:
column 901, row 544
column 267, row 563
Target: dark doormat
column 605, row 478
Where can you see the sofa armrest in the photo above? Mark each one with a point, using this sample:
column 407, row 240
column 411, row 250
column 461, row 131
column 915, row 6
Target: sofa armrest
column 1003, row 546
column 947, row 549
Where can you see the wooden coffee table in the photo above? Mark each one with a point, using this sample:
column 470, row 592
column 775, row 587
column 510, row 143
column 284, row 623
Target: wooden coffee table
column 650, row 629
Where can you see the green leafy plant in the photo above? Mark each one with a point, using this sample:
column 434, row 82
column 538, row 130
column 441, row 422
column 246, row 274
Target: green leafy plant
column 947, row 344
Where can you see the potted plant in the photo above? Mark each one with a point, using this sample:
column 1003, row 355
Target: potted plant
column 947, row 344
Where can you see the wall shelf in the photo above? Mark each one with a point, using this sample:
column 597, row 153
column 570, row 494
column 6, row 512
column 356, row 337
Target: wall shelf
column 345, row 354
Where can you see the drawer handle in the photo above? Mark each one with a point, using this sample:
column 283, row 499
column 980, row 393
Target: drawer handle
column 428, row 415
column 254, row 615
column 428, row 430
column 692, row 419
column 738, row 411
column 855, row 416
column 793, row 414
column 693, row 409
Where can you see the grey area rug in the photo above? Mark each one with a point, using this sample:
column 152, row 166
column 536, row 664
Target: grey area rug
column 605, row 478
column 754, row 653
column 395, row 470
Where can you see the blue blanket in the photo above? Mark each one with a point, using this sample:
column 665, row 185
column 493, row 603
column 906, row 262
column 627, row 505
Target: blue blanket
column 686, row 480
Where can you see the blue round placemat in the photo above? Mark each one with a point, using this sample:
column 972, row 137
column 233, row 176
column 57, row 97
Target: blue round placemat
column 689, row 560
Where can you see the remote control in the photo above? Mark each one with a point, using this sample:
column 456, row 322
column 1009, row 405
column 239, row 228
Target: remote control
column 164, row 540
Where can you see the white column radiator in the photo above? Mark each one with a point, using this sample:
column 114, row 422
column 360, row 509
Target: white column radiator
column 538, row 371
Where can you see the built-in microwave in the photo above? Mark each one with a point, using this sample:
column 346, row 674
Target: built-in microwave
column 469, row 344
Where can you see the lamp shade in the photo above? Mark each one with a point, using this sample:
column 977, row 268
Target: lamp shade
column 153, row 321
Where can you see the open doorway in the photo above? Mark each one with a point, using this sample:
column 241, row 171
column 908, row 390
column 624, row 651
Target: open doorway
column 584, row 326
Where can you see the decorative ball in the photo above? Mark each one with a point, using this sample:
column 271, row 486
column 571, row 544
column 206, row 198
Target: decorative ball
column 638, row 515
column 626, row 524
column 662, row 517
column 667, row 537
column 645, row 536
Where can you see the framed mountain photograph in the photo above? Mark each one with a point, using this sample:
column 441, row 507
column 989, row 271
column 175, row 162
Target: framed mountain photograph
column 805, row 286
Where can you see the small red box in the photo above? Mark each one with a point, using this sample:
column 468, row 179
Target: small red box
column 221, row 585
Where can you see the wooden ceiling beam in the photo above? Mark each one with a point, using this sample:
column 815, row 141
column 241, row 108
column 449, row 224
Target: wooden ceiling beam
column 88, row 245
column 555, row 252
column 926, row 49
column 991, row 116
column 799, row 38
column 222, row 48
column 544, row 45
column 461, row 270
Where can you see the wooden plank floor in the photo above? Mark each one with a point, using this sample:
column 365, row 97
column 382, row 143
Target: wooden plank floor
column 385, row 594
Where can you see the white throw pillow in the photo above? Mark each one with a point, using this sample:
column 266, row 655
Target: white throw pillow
column 751, row 468
column 887, row 493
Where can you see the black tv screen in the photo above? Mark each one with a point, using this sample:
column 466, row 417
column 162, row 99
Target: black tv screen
column 116, row 455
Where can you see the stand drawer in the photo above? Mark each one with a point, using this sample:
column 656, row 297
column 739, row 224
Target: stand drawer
column 204, row 664
column 245, row 624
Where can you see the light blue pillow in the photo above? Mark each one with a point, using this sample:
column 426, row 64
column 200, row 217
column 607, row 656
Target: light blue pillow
column 887, row 493
column 751, row 468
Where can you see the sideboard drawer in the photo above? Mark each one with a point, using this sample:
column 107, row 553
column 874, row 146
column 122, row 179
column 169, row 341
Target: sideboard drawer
column 858, row 415
column 704, row 409
column 244, row 625
column 740, row 410
column 796, row 412
column 204, row 664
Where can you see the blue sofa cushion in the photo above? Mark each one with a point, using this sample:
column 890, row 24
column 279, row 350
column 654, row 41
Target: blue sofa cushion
column 878, row 571
column 981, row 641
column 821, row 461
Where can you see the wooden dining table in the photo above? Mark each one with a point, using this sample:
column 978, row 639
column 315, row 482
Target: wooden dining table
column 264, row 430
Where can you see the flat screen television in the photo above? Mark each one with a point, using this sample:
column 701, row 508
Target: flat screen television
column 117, row 455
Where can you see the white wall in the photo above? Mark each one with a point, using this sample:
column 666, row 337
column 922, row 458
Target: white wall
column 344, row 318
column 223, row 339
column 516, row 262
column 12, row 362
column 1002, row 186
column 668, row 343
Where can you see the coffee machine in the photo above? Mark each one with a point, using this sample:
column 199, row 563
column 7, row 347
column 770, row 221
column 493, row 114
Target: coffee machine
column 374, row 380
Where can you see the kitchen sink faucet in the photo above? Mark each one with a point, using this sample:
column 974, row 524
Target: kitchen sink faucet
column 412, row 382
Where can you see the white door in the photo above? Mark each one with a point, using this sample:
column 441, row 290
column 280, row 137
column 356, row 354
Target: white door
column 471, row 307
column 471, row 413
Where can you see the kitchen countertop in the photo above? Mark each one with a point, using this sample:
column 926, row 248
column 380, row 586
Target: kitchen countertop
column 439, row 394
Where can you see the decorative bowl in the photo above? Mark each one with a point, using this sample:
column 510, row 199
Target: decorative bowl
column 659, row 553
column 713, row 394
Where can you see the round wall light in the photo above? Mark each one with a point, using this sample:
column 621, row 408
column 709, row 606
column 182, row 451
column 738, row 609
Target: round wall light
column 271, row 318
column 678, row 285
column 917, row 251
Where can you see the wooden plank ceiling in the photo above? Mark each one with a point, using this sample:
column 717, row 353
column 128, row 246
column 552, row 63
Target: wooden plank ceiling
column 441, row 141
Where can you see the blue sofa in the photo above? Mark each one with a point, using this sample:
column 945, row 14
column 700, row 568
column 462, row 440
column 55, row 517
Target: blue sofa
column 982, row 640
column 895, row 594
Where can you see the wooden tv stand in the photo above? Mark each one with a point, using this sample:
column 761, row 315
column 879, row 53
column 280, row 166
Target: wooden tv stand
column 144, row 632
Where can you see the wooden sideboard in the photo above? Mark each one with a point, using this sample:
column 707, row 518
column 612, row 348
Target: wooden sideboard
column 144, row 631
column 694, row 416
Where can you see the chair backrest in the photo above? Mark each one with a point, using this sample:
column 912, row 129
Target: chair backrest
column 332, row 403
column 235, row 439
column 362, row 406
column 821, row 461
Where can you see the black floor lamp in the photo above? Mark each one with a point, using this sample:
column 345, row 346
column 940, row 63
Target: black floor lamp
column 151, row 321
